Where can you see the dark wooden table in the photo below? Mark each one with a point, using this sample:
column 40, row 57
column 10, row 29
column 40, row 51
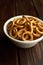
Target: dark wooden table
column 9, row 53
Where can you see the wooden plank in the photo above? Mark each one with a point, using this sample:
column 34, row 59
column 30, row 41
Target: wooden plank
column 39, row 7
column 32, row 56
column 26, row 57
column 38, row 4
column 38, row 55
column 8, row 52
column 7, row 10
column 25, row 7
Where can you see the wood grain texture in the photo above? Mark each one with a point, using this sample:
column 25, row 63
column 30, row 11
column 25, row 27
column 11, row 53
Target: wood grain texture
column 7, row 10
column 25, row 7
column 39, row 7
column 33, row 55
column 9, row 53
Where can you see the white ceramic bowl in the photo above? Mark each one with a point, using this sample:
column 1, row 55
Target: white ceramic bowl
column 22, row 44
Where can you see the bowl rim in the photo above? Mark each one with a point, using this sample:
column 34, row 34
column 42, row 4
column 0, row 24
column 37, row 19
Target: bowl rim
column 11, row 19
